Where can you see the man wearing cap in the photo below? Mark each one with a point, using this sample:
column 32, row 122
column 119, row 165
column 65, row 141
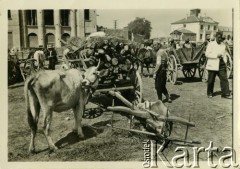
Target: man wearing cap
column 187, row 44
column 52, row 57
column 216, row 65
column 160, row 72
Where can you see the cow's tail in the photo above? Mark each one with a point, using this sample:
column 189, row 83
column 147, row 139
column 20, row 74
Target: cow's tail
column 29, row 92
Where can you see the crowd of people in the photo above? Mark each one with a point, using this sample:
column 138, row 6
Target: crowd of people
column 215, row 54
column 48, row 53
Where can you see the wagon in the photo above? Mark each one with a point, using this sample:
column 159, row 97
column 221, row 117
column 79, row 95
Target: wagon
column 119, row 72
column 125, row 86
column 189, row 60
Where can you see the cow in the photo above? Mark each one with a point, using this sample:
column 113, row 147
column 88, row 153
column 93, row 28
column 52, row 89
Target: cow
column 58, row 91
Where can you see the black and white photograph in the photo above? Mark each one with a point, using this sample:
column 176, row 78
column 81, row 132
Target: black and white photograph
column 151, row 86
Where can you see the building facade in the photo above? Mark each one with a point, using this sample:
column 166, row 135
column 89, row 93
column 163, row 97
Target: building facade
column 227, row 31
column 201, row 26
column 31, row 28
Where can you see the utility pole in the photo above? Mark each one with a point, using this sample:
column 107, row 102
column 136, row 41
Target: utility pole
column 115, row 24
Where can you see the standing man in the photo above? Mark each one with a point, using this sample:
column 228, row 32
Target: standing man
column 160, row 72
column 52, row 57
column 39, row 57
column 216, row 65
column 187, row 44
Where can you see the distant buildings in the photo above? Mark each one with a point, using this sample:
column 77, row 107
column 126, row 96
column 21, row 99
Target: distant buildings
column 194, row 27
column 227, row 31
column 31, row 28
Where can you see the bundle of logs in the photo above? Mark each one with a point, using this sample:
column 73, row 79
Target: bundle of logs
column 117, row 55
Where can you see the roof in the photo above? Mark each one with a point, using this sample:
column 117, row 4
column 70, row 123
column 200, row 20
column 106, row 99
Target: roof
column 224, row 28
column 193, row 19
column 183, row 30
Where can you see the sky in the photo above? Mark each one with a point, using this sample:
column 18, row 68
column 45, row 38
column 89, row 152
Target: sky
column 160, row 19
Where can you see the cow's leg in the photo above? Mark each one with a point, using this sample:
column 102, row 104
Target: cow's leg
column 75, row 129
column 78, row 112
column 33, row 114
column 46, row 128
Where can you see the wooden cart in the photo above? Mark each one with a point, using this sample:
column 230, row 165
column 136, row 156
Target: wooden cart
column 189, row 60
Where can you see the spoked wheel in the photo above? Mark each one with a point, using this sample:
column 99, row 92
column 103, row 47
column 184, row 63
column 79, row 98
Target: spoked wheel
column 229, row 65
column 92, row 113
column 172, row 69
column 201, row 65
column 189, row 72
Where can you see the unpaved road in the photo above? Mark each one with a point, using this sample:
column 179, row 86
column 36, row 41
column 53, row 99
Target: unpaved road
column 213, row 119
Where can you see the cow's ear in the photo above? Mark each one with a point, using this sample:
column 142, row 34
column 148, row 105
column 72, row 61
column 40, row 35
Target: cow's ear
column 98, row 73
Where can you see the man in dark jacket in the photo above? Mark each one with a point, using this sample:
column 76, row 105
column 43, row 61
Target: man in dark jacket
column 51, row 56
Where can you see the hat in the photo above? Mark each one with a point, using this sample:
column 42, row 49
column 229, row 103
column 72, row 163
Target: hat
column 156, row 41
column 13, row 51
column 49, row 46
column 219, row 33
column 40, row 46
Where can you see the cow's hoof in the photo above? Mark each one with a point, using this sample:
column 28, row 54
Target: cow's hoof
column 81, row 135
column 53, row 148
column 74, row 131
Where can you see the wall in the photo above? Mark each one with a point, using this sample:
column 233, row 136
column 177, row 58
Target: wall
column 91, row 25
column 13, row 26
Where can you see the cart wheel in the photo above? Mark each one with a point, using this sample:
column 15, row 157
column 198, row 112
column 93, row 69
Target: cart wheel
column 229, row 65
column 92, row 113
column 189, row 72
column 201, row 65
column 172, row 69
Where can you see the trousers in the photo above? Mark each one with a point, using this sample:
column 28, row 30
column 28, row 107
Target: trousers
column 160, row 83
column 222, row 74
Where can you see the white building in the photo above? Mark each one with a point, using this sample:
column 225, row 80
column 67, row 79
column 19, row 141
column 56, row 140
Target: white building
column 200, row 25
column 31, row 28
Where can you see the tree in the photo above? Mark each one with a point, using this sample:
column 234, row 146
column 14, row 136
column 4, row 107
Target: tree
column 140, row 26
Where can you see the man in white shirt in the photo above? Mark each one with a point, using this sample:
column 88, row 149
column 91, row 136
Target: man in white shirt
column 216, row 65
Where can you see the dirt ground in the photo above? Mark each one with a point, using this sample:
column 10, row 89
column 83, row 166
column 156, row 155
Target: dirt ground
column 213, row 119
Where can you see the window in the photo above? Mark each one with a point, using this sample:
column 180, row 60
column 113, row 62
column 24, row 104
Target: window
column 64, row 17
column 31, row 16
column 49, row 38
column 208, row 27
column 201, row 27
column 9, row 14
column 48, row 17
column 215, row 27
column 184, row 25
column 32, row 40
column 201, row 36
column 86, row 14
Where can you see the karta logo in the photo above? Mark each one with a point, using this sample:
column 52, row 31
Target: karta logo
column 181, row 158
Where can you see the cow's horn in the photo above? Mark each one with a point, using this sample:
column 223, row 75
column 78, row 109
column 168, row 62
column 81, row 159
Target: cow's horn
column 98, row 63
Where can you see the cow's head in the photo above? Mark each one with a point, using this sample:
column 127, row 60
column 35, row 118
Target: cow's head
column 91, row 77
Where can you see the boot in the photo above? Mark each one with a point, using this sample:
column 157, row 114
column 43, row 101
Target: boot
column 168, row 99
